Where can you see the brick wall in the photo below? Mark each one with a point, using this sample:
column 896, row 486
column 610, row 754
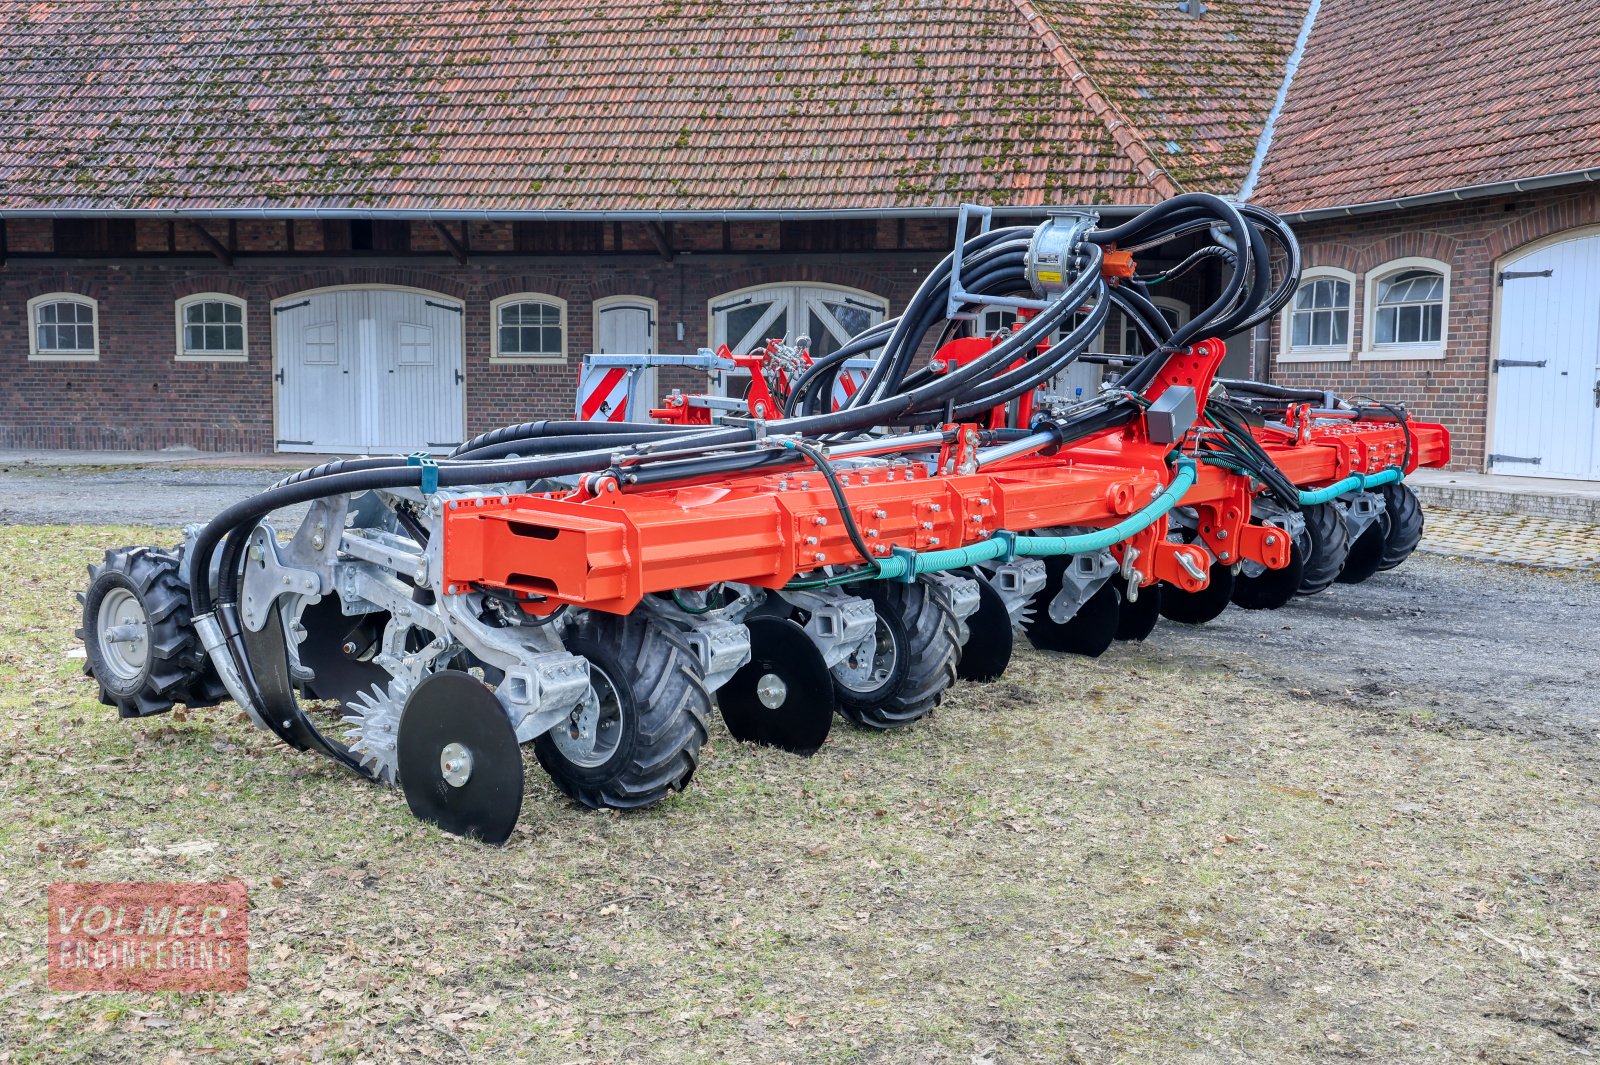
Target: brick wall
column 1472, row 237
column 137, row 396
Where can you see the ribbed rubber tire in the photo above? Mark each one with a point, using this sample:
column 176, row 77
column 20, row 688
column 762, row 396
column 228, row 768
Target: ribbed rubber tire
column 176, row 669
column 664, row 709
column 933, row 645
column 1330, row 542
column 1405, row 524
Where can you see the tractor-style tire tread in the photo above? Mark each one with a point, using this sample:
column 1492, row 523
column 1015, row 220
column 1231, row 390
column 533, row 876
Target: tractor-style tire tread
column 1329, row 539
column 667, row 708
column 1405, row 524
column 933, row 647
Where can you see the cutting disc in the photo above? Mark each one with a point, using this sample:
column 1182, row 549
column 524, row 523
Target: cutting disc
column 1089, row 631
column 1271, row 588
column 987, row 651
column 1197, row 608
column 1139, row 616
column 782, row 697
column 460, row 763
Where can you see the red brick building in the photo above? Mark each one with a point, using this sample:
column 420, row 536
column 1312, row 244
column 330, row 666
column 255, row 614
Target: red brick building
column 311, row 227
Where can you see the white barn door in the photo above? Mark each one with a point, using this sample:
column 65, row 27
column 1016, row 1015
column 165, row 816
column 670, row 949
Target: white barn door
column 1547, row 366
column 368, row 370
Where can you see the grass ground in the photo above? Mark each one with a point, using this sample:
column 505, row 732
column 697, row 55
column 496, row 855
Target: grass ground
column 1089, row 861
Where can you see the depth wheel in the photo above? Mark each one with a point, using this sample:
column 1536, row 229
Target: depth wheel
column 1366, row 554
column 782, row 697
column 990, row 638
column 139, row 644
column 636, row 736
column 460, row 763
column 1329, row 540
column 1090, row 631
column 925, row 636
column 1405, row 524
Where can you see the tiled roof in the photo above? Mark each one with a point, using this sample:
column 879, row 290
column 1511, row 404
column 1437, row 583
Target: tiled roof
column 1196, row 90
column 556, row 105
column 1406, row 97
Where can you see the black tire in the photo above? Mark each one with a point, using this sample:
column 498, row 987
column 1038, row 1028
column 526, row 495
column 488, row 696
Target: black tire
column 140, row 587
column 915, row 614
column 661, row 710
column 1088, row 632
column 1405, row 524
column 1329, row 540
column 1366, row 552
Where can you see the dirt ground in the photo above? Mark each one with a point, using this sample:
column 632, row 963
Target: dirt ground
column 1355, row 829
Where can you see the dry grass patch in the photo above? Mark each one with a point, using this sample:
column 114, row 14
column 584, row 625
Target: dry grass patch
column 1095, row 861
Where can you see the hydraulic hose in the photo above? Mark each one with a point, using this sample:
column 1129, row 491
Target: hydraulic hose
column 1353, row 483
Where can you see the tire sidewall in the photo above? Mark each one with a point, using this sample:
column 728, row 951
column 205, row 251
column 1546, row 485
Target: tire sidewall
column 99, row 588
column 889, row 616
column 593, row 648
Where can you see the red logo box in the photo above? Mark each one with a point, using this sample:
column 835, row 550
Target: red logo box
column 148, row 937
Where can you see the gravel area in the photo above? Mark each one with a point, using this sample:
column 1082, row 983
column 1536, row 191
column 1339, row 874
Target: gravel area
column 125, row 495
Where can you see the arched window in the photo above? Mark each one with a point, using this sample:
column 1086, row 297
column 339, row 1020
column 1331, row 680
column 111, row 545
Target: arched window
column 1317, row 326
column 529, row 327
column 211, row 328
column 63, row 326
column 1408, row 304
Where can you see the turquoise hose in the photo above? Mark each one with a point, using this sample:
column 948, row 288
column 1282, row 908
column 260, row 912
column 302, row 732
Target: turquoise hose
column 1353, row 483
column 905, row 564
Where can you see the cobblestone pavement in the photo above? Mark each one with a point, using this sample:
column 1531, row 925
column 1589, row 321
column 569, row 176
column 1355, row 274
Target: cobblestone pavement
column 1518, row 538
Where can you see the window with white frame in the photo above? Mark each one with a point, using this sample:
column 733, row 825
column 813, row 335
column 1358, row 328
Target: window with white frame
column 211, row 328
column 1408, row 310
column 529, row 327
column 1318, row 322
column 63, row 326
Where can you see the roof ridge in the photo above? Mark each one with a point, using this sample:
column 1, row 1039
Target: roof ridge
column 1123, row 132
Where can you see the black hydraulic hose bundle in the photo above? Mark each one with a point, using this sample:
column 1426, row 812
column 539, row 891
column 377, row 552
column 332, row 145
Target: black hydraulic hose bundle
column 992, row 264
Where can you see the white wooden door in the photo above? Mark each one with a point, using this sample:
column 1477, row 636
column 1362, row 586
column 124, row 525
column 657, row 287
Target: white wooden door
column 368, row 370
column 828, row 317
column 1546, row 370
column 626, row 329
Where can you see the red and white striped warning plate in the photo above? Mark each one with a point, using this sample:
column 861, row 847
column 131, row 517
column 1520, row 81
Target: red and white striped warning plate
column 845, row 385
column 603, row 393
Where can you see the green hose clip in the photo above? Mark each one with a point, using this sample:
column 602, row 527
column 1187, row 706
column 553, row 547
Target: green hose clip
column 430, row 470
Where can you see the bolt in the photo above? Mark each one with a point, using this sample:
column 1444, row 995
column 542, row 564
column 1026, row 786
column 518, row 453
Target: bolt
column 349, row 647
column 977, row 519
column 455, row 504
column 1222, row 534
column 811, row 541
column 983, row 501
column 933, row 541
column 286, row 579
column 1271, row 540
column 880, row 514
column 317, row 538
column 255, row 553
column 872, row 532
column 937, row 365
column 819, row 520
column 934, row 508
column 450, row 590
column 927, row 525
column 820, row 557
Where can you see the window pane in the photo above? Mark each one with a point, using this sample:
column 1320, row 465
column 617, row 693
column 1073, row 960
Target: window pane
column 195, row 313
column 232, row 312
column 47, row 338
column 1322, row 294
column 1410, row 328
column 1341, row 294
column 1302, row 299
column 1302, row 330
column 213, row 337
column 854, row 319
column 47, row 313
column 510, row 340
column 1341, row 327
column 74, row 312
column 234, row 339
column 194, row 337
column 1386, row 325
column 84, row 341
column 550, row 344
column 743, row 319
column 1321, row 324
column 1433, row 317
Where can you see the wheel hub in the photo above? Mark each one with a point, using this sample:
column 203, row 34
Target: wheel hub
column 455, row 763
column 124, row 630
column 771, row 690
column 590, row 734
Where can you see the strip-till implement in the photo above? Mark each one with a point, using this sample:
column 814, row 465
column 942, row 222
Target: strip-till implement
column 594, row 589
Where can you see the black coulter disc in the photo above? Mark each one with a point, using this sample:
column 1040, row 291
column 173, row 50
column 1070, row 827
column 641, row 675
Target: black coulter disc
column 1197, row 608
column 1272, row 588
column 1089, row 631
column 1138, row 617
column 987, row 651
column 340, row 673
column 459, row 760
column 782, row 697
column 1366, row 553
